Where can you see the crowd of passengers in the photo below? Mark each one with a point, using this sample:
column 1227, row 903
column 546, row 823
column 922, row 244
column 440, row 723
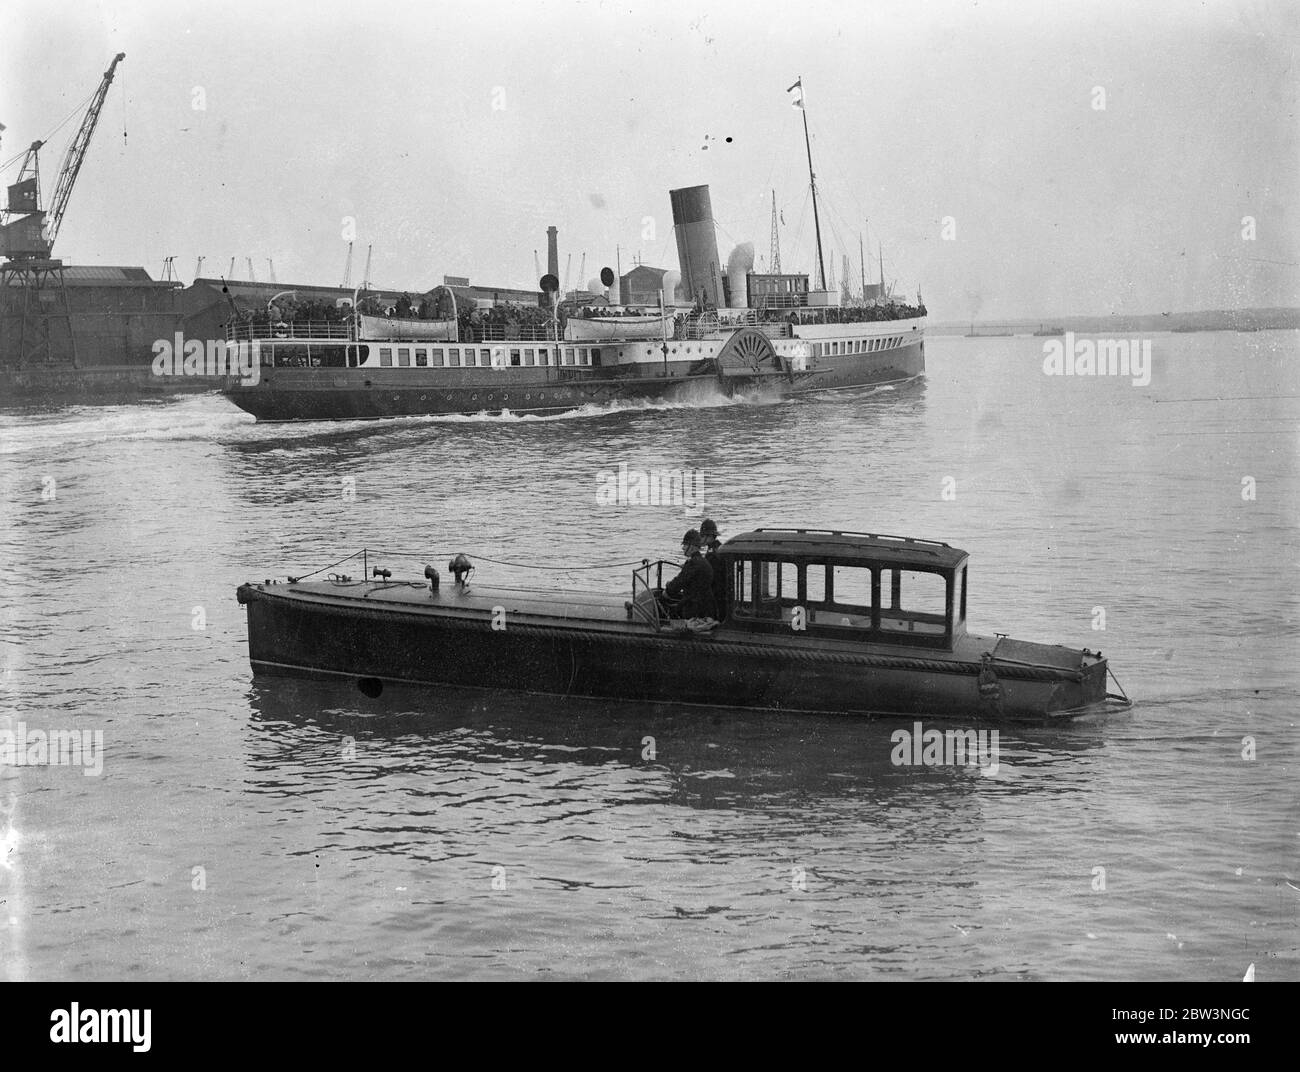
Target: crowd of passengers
column 508, row 318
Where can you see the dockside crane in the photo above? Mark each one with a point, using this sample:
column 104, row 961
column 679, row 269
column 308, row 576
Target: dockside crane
column 347, row 270
column 27, row 238
column 365, row 283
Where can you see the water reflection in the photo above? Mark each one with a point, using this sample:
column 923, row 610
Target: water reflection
column 697, row 757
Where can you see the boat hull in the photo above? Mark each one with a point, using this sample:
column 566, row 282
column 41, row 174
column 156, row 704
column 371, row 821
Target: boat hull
column 309, row 394
column 370, row 644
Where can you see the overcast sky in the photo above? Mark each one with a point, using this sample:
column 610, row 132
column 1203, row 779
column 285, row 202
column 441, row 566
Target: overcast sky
column 454, row 133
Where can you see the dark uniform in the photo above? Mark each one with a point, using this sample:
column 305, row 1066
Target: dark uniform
column 709, row 534
column 719, row 579
column 694, row 588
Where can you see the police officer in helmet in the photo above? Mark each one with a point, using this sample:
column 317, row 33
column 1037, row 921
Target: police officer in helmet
column 709, row 536
column 692, row 589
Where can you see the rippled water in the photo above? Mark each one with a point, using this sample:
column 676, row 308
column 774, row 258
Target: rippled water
column 276, row 829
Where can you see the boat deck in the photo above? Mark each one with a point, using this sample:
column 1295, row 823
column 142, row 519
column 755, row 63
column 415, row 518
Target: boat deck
column 607, row 613
column 576, row 607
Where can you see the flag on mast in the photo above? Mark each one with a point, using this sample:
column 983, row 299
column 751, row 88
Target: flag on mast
column 798, row 101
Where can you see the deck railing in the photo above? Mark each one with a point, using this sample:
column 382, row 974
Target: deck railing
column 246, row 331
column 509, row 333
column 647, row 580
column 690, row 327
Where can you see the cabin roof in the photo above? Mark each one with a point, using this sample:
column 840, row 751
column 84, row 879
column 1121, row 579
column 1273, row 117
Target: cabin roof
column 844, row 547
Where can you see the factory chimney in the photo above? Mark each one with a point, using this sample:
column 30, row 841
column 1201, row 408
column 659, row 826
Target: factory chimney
column 552, row 253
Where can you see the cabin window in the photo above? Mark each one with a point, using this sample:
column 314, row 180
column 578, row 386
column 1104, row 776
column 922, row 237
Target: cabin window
column 815, row 582
column 595, row 356
column 330, row 355
column 765, row 589
column 404, row 356
column 568, row 355
column 742, row 587
column 442, row 359
column 422, row 357
column 913, row 601
column 484, row 357
column 385, row 356
column 852, row 596
column 777, row 583
column 530, row 358
column 514, row 358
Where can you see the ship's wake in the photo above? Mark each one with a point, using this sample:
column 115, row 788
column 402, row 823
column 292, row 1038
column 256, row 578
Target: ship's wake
column 211, row 417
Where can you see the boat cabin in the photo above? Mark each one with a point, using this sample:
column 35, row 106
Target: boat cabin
column 847, row 585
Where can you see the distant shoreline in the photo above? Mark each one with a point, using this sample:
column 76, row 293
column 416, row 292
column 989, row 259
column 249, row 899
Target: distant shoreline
column 1219, row 320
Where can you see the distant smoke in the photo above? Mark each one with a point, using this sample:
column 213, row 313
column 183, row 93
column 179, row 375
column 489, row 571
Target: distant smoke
column 741, row 259
column 672, row 284
column 739, row 263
